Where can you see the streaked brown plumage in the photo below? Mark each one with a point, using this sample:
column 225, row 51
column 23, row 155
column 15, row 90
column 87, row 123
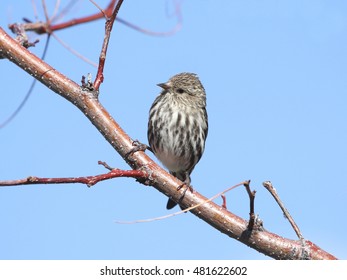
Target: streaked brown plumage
column 178, row 125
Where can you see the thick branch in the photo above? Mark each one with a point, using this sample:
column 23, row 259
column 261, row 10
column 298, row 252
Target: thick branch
column 215, row 215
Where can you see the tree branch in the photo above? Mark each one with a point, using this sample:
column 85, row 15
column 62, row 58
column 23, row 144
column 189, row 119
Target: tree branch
column 88, row 180
column 108, row 28
column 268, row 185
column 213, row 214
column 251, row 195
column 47, row 27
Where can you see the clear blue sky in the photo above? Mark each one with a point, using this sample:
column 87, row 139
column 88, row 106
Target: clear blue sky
column 275, row 77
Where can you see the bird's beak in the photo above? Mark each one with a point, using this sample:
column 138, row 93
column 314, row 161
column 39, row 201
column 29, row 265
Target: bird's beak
column 165, row 86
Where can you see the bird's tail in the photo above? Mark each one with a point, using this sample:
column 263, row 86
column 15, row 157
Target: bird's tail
column 184, row 177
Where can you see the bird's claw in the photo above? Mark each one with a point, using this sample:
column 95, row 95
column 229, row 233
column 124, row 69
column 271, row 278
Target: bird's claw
column 137, row 146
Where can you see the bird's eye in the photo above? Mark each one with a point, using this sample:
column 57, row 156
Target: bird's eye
column 180, row 90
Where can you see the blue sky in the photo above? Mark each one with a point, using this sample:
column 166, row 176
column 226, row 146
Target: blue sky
column 275, row 77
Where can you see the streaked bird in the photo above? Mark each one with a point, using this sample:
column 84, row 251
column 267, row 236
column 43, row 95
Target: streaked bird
column 178, row 126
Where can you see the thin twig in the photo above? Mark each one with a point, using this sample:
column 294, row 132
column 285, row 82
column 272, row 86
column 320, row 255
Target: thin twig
column 55, row 11
column 102, row 14
column 108, row 28
column 28, row 94
column 105, row 165
column 251, row 195
column 45, row 11
column 73, row 51
column 185, row 210
column 49, row 27
column 88, row 180
column 66, row 9
column 268, row 185
column 170, row 32
column 224, row 203
column 99, row 8
column 33, row 2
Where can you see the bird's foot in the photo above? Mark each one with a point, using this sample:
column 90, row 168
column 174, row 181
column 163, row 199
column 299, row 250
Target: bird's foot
column 187, row 186
column 137, row 146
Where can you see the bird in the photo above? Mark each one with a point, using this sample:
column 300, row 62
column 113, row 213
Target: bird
column 178, row 126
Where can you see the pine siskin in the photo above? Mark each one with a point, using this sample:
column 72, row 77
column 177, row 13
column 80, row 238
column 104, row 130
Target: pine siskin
column 178, row 126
